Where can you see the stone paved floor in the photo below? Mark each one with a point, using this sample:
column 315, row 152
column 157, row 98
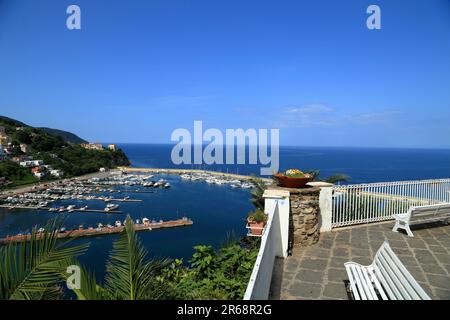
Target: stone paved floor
column 318, row 272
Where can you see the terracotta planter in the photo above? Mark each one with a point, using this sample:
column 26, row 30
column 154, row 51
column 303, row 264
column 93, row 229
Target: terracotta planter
column 289, row 182
column 256, row 228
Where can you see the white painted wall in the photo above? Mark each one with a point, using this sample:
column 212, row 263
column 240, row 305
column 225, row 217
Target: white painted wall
column 326, row 208
column 274, row 243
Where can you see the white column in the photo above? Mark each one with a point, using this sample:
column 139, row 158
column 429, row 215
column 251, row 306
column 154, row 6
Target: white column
column 326, row 205
column 277, row 201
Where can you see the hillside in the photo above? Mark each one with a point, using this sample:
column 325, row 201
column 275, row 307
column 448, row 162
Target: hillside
column 56, row 149
column 67, row 136
column 12, row 122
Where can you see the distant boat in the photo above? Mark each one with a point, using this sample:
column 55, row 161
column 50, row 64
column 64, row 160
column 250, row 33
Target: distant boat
column 111, row 207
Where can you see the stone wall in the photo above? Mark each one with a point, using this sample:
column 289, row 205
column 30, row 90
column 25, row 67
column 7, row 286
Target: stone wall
column 304, row 224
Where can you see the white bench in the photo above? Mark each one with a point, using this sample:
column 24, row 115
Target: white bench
column 421, row 214
column 387, row 278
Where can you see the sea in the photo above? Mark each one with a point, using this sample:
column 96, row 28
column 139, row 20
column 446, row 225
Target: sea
column 221, row 211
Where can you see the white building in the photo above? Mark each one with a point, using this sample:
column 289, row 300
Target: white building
column 56, row 173
column 31, row 163
column 39, row 174
column 24, row 148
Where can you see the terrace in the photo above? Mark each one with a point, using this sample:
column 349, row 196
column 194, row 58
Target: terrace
column 354, row 223
column 318, row 272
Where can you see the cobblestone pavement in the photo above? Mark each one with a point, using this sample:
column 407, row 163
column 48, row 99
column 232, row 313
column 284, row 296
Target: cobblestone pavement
column 318, row 272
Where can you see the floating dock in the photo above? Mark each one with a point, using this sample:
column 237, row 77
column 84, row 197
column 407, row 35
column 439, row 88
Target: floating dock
column 104, row 231
column 65, row 210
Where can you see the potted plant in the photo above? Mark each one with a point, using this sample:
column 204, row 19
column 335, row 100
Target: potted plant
column 256, row 222
column 293, row 178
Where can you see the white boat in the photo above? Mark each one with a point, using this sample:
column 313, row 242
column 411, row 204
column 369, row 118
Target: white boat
column 111, row 207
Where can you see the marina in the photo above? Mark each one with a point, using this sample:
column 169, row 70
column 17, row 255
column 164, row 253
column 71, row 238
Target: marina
column 99, row 188
column 82, row 201
column 61, row 210
column 205, row 174
column 118, row 227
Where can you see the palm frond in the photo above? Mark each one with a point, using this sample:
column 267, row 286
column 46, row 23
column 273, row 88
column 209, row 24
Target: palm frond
column 89, row 288
column 129, row 276
column 31, row 270
column 258, row 192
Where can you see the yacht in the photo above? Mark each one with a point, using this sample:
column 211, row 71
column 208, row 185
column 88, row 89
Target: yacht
column 111, row 207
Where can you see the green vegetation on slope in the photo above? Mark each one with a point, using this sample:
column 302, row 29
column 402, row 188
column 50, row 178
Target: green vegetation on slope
column 72, row 159
column 221, row 274
column 16, row 174
column 67, row 136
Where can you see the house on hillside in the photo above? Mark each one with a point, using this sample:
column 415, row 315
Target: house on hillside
column 56, row 173
column 24, row 148
column 4, row 138
column 112, row 147
column 92, row 146
column 39, row 172
column 31, row 163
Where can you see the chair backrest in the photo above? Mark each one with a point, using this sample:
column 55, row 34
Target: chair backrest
column 396, row 280
column 430, row 212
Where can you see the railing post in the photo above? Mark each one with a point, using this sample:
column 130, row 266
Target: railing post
column 273, row 199
column 326, row 205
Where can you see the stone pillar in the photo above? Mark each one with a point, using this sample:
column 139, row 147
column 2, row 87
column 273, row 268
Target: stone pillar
column 304, row 224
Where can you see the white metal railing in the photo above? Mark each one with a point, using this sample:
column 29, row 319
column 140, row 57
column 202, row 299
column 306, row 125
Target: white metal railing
column 362, row 203
column 259, row 285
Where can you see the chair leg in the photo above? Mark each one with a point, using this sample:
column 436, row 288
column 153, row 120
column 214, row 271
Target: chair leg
column 408, row 231
column 397, row 225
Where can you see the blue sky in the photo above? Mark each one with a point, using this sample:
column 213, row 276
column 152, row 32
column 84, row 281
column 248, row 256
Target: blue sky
column 140, row 69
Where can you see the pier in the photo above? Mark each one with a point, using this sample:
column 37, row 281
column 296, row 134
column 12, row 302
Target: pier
column 104, row 231
column 65, row 210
